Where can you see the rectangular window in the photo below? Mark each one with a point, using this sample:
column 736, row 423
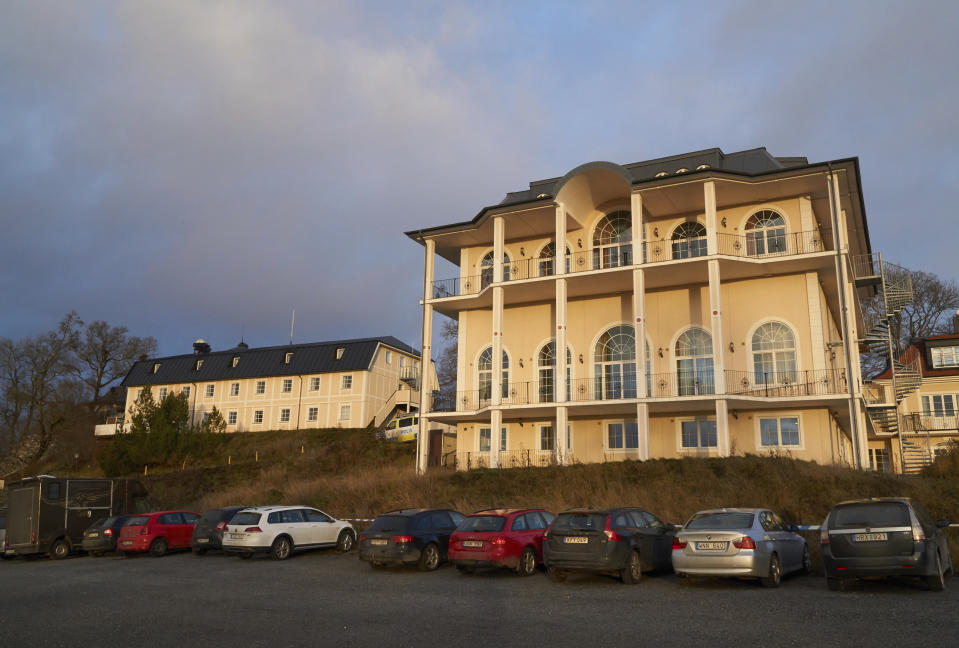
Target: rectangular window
column 347, row 382
column 231, row 418
column 389, row 357
column 312, row 413
column 783, row 431
column 622, row 435
column 485, row 438
column 285, row 415
column 879, row 458
column 234, row 389
column 260, row 386
column 402, row 361
column 209, row 390
column 502, row 440
column 163, row 392
column 287, row 385
column 344, row 412
column 186, row 391
column 199, row 363
column 315, row 383
column 940, row 405
column 546, row 441
column 698, row 434
column 236, row 360
column 339, row 353
column 257, row 417
column 945, row 357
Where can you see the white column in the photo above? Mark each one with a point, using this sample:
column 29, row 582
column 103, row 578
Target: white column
column 559, row 262
column 722, row 427
column 561, row 434
column 423, row 437
column 639, row 329
column 716, row 323
column 559, row 378
column 496, row 396
column 816, row 334
column 496, row 431
column 499, row 244
column 709, row 198
column 636, row 212
column 642, row 423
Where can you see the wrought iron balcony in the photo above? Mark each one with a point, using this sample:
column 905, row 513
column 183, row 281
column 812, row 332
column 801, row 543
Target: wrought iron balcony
column 764, row 244
column 826, row 382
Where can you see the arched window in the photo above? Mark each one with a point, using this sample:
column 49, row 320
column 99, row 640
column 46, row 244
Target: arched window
column 689, row 240
column 614, row 368
column 765, row 233
column 485, row 370
column 547, row 263
column 774, row 354
column 486, row 269
column 613, row 241
column 694, row 363
column 546, row 367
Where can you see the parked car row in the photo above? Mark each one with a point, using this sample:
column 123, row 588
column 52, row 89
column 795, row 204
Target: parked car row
column 860, row 539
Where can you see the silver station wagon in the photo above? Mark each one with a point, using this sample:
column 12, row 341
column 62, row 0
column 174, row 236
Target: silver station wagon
column 743, row 543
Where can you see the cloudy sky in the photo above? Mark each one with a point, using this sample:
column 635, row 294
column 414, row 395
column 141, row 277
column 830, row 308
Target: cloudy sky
column 193, row 168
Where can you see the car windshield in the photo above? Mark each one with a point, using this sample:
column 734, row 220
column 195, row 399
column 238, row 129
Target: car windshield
column 387, row 523
column 871, row 514
column 479, row 523
column 139, row 520
column 720, row 521
column 580, row 522
column 246, row 517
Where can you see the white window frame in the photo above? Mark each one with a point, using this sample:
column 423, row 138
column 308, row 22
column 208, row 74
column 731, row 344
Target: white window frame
column 348, row 410
column 257, row 417
column 503, row 440
column 210, row 390
column 315, row 383
column 389, row 357
column 940, row 357
column 231, row 417
column 163, row 391
column 287, row 357
column 339, row 353
column 927, row 404
column 287, row 386
column 695, row 449
column 260, row 387
column 285, row 415
column 346, row 383
column 234, row 389
column 312, row 414
column 758, row 417
column 623, row 421
column 185, row 390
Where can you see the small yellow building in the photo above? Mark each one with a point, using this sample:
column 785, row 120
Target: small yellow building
column 704, row 304
column 347, row 383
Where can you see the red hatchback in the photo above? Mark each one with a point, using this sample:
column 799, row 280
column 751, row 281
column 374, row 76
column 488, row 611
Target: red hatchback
column 510, row 538
column 157, row 532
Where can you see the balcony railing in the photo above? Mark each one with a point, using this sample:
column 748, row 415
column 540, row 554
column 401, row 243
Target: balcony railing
column 507, row 459
column 657, row 250
column 786, row 384
column 763, row 244
column 922, row 423
column 526, row 393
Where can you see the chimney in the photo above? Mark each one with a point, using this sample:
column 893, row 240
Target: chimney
column 200, row 347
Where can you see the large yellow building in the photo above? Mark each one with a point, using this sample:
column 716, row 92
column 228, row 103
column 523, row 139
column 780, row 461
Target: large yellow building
column 347, row 383
column 735, row 272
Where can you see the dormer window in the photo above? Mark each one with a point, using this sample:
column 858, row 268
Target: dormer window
column 339, row 353
column 288, row 357
column 236, row 360
column 702, row 166
column 199, row 363
column 661, row 174
column 682, row 170
column 156, row 367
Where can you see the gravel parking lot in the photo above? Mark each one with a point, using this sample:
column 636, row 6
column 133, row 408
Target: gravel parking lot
column 326, row 599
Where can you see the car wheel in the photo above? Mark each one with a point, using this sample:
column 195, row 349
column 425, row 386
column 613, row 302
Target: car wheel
column 556, row 575
column 199, row 552
column 527, row 562
column 158, row 548
column 806, row 560
column 632, row 573
column 282, row 548
column 430, row 558
column 60, row 549
column 835, row 584
column 937, row 582
column 775, row 572
column 345, row 542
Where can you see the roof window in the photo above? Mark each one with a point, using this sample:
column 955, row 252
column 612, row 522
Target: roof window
column 236, row 360
column 288, row 357
column 661, row 174
column 682, row 170
column 156, row 367
column 702, row 166
column 339, row 353
column 199, row 363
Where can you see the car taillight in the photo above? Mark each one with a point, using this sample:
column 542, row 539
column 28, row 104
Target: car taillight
column 611, row 535
column 362, row 537
column 498, row 541
column 823, row 535
column 33, row 538
column 253, row 530
column 402, row 539
column 108, row 532
column 145, row 531
column 744, row 543
column 679, row 544
column 918, row 535
column 221, row 526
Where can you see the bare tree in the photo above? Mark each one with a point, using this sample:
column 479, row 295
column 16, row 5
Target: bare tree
column 929, row 313
column 103, row 354
column 446, row 367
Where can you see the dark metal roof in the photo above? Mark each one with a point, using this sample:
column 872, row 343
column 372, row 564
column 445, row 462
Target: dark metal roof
column 312, row 358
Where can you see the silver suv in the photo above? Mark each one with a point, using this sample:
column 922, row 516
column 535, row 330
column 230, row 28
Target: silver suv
column 281, row 530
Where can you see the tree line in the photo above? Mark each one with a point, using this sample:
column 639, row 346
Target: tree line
column 49, row 379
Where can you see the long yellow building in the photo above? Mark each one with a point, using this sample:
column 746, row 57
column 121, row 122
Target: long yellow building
column 705, row 304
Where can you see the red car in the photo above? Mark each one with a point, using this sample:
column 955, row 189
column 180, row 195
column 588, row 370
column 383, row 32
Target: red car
column 510, row 538
column 157, row 532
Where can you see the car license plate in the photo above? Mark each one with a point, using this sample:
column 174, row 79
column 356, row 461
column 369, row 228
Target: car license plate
column 236, row 536
column 95, row 534
column 202, row 540
column 871, row 537
column 576, row 540
column 379, row 542
column 472, row 543
column 127, row 543
column 710, row 546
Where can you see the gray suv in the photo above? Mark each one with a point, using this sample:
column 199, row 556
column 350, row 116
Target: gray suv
column 884, row 537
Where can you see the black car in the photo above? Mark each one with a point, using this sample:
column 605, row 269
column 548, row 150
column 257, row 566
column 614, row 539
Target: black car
column 208, row 532
column 101, row 536
column 420, row 536
column 884, row 537
column 624, row 542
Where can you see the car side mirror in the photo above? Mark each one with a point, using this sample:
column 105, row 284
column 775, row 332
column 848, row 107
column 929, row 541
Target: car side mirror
column 794, row 528
column 942, row 523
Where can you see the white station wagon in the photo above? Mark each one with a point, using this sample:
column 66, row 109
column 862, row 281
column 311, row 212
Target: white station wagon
column 281, row 530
